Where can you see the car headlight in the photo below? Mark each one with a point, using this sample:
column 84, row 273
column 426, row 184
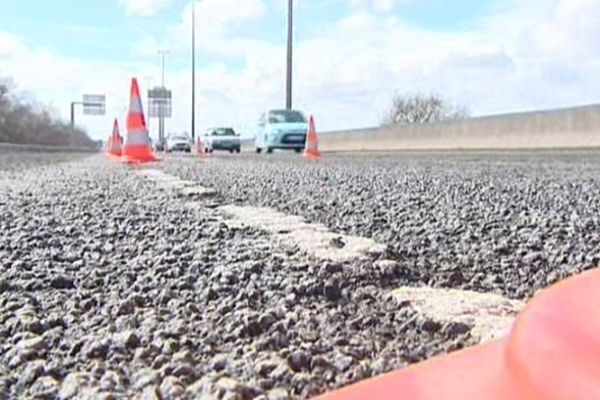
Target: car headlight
column 276, row 131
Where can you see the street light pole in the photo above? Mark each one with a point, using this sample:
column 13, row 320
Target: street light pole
column 162, row 54
column 161, row 116
column 193, row 71
column 73, row 114
column 290, row 33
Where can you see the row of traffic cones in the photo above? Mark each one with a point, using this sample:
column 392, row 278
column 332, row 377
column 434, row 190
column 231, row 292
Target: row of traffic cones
column 137, row 148
column 115, row 142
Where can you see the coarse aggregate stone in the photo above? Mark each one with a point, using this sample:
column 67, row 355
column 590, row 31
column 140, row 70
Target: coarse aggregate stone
column 505, row 222
column 113, row 288
column 15, row 161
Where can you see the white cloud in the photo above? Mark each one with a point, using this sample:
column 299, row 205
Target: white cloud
column 144, row 8
column 9, row 45
column 383, row 6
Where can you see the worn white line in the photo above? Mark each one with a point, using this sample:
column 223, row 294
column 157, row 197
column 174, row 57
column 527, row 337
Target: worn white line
column 294, row 231
column 490, row 316
column 181, row 187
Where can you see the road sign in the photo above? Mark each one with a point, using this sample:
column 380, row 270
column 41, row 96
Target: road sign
column 159, row 103
column 94, row 104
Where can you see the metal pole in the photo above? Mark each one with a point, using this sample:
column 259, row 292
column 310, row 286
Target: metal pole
column 193, row 71
column 289, row 54
column 162, row 54
column 73, row 115
column 161, row 117
column 148, row 80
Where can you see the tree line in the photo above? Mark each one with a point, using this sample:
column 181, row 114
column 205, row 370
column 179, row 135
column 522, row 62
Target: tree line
column 22, row 122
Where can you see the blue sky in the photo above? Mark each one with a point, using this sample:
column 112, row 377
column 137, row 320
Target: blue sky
column 352, row 56
column 103, row 30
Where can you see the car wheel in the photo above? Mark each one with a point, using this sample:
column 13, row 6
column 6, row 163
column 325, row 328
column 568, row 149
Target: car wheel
column 238, row 151
column 258, row 150
column 231, row 151
column 298, row 151
column 270, row 150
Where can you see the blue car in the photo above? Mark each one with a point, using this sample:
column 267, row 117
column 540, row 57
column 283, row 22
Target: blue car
column 281, row 129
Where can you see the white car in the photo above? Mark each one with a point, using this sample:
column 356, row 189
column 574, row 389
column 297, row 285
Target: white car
column 281, row 129
column 179, row 142
column 222, row 139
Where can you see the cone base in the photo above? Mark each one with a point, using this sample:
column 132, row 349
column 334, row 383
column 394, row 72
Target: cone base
column 113, row 155
column 312, row 154
column 138, row 155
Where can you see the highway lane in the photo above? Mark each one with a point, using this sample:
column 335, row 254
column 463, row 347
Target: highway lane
column 506, row 222
column 140, row 281
column 116, row 283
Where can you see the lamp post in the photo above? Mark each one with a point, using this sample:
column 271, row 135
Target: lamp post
column 161, row 116
column 193, row 71
column 290, row 33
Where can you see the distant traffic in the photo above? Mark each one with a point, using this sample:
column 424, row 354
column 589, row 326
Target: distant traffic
column 277, row 129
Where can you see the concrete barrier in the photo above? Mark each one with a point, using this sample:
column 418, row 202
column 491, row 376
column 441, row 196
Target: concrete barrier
column 565, row 128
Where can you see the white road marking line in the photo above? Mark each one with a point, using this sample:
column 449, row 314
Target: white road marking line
column 490, row 316
column 181, row 187
column 292, row 231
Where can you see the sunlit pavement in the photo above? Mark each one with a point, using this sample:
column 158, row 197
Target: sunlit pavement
column 115, row 280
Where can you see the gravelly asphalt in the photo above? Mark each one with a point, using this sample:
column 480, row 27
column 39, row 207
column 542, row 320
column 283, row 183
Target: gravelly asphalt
column 510, row 223
column 18, row 161
column 111, row 287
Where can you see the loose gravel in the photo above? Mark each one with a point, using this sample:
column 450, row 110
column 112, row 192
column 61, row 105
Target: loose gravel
column 509, row 223
column 111, row 287
column 17, row 160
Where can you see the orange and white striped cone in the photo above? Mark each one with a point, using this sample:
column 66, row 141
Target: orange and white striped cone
column 137, row 149
column 115, row 143
column 311, row 151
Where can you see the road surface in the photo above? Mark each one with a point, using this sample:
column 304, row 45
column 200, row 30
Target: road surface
column 270, row 277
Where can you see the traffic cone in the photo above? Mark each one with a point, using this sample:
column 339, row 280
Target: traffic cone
column 108, row 145
column 115, row 143
column 311, row 151
column 552, row 353
column 137, row 149
column 199, row 148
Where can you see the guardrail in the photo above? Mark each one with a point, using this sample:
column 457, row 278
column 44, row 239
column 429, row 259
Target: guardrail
column 564, row 128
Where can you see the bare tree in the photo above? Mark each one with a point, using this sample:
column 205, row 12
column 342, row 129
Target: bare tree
column 420, row 109
column 31, row 123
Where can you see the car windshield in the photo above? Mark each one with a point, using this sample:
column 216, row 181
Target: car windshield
column 223, row 132
column 286, row 116
column 180, row 138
